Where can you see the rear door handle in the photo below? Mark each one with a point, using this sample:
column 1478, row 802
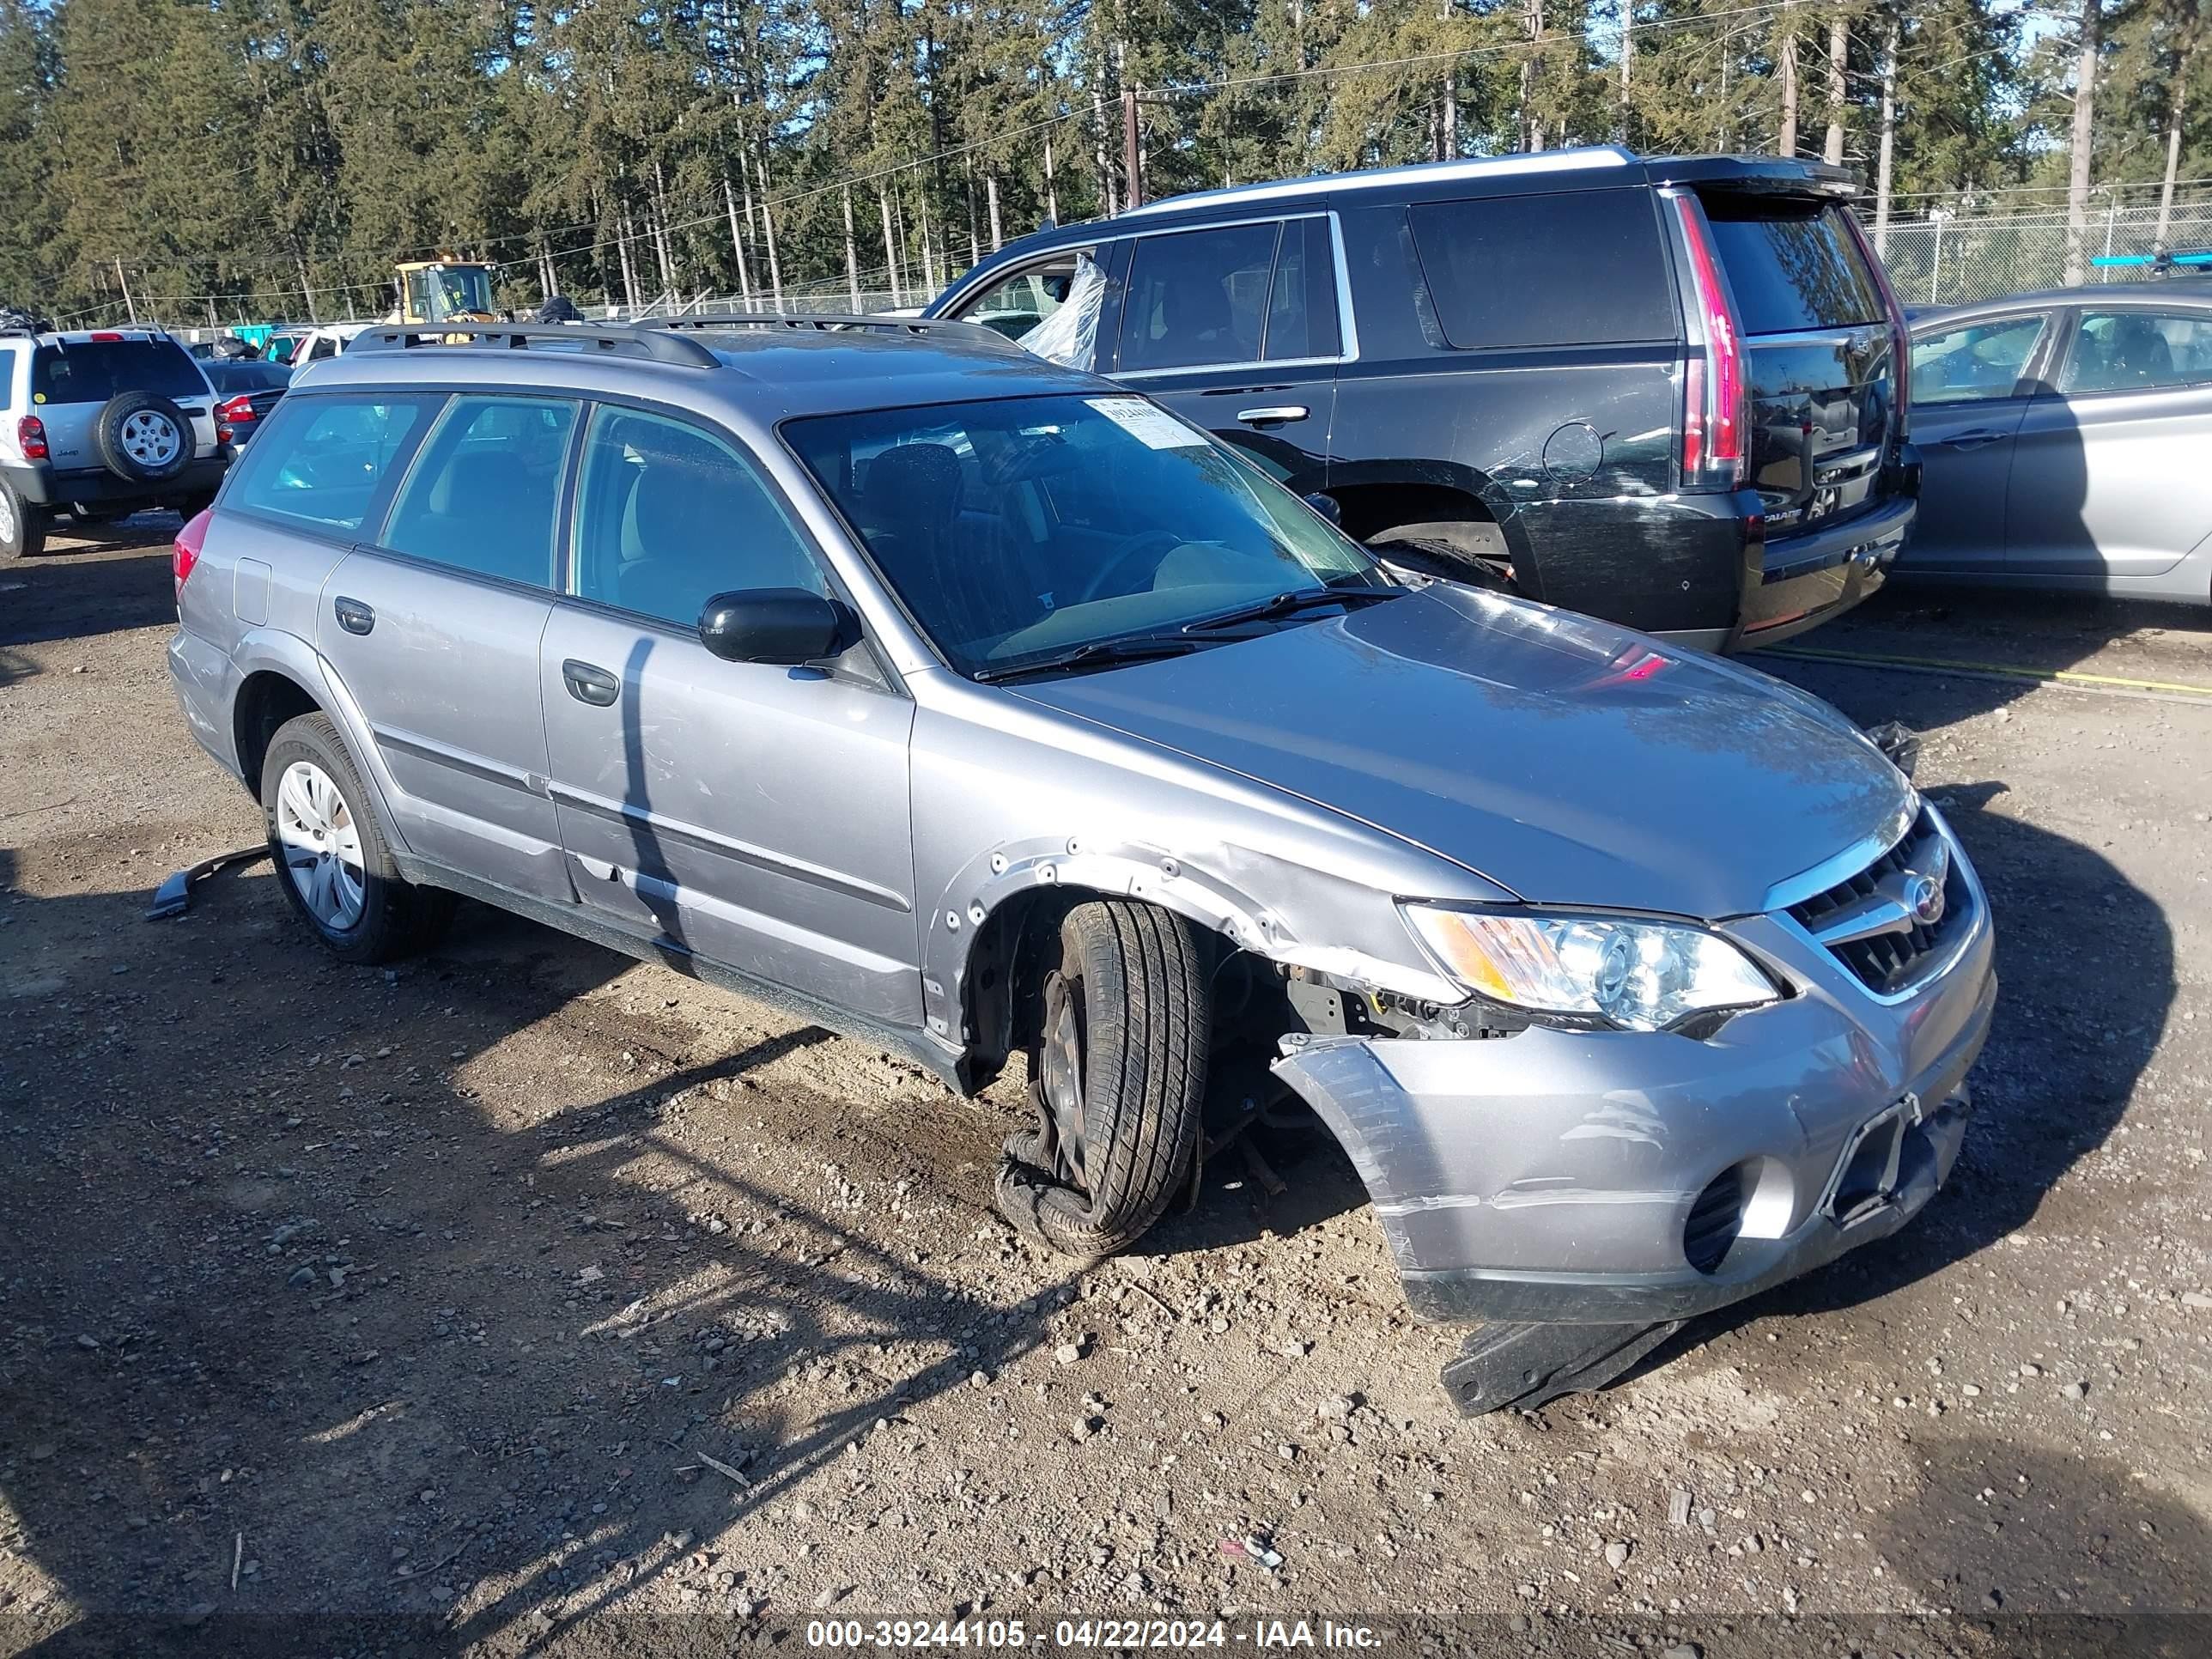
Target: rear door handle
column 590, row 683
column 1972, row 440
column 1273, row 414
column 353, row 616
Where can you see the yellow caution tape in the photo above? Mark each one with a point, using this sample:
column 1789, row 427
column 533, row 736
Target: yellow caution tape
column 2052, row 675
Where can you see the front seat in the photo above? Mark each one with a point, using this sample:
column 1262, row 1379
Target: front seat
column 694, row 529
column 914, row 497
column 2139, row 350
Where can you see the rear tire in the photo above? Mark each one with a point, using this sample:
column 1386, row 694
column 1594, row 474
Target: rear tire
column 1117, row 1077
column 1459, row 549
column 332, row 859
column 22, row 527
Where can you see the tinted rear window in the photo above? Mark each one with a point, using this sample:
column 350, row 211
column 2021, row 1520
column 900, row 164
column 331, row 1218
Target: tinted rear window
column 1579, row 267
column 1792, row 266
column 95, row 371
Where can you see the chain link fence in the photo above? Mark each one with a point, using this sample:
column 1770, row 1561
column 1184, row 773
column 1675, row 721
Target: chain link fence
column 1952, row 260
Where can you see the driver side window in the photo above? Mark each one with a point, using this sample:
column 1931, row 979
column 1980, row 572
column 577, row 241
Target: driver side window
column 669, row 515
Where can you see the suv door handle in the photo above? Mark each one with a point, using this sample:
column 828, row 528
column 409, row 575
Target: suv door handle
column 1971, row 440
column 589, row 684
column 1273, row 414
column 353, row 616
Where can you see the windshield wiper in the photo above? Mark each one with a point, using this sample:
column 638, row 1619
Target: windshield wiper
column 1285, row 604
column 1098, row 654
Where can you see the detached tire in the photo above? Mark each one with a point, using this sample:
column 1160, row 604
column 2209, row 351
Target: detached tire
column 1459, row 549
column 143, row 437
column 332, row 859
column 1117, row 1077
column 22, row 527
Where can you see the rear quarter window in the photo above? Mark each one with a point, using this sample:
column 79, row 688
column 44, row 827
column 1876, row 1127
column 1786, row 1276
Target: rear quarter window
column 1578, row 268
column 1792, row 266
column 95, row 371
column 323, row 463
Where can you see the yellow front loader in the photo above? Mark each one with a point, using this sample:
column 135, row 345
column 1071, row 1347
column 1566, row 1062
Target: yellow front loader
column 443, row 291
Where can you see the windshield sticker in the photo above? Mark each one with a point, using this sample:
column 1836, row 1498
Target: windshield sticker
column 1155, row 429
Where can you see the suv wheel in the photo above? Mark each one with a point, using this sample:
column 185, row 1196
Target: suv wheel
column 22, row 527
column 332, row 859
column 1117, row 1076
column 143, row 437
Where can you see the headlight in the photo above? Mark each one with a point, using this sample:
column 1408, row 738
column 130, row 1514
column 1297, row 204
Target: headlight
column 1638, row 975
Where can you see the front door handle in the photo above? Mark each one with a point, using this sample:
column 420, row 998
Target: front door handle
column 1972, row 440
column 590, row 683
column 1273, row 414
column 353, row 616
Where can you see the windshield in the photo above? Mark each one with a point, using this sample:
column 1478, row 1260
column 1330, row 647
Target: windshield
column 1025, row 529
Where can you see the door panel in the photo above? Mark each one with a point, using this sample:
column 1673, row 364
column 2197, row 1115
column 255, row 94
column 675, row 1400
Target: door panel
column 1967, row 458
column 755, row 815
column 2102, row 485
column 444, row 669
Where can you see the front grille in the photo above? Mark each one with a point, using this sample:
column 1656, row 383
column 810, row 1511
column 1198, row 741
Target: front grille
column 1886, row 962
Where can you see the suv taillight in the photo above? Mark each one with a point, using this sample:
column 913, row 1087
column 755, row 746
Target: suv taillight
column 185, row 551
column 31, row 434
column 1715, row 406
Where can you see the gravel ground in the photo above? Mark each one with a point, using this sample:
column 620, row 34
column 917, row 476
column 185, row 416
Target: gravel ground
column 525, row 1297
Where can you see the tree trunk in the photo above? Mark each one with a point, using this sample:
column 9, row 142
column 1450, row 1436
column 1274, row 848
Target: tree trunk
column 2085, row 135
column 738, row 244
column 2180, row 97
column 991, row 191
column 1785, row 140
column 629, row 275
column 1885, row 154
column 1108, row 204
column 1051, row 184
column 661, row 230
column 891, row 250
column 1448, row 102
column 768, row 235
column 851, row 253
column 306, row 292
column 1627, row 60
column 1839, row 52
column 1532, row 124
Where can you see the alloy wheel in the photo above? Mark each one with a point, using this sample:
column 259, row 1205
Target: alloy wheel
column 321, row 846
column 151, row 438
column 1060, row 1071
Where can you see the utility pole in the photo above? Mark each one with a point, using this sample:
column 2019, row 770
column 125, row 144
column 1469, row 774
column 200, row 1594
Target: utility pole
column 2085, row 138
column 1132, row 157
column 1883, row 156
column 1839, row 52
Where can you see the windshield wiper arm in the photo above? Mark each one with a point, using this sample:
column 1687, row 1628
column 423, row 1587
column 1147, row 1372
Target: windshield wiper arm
column 1097, row 654
column 1284, row 605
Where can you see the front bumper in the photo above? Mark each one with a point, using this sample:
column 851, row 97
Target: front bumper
column 1555, row 1177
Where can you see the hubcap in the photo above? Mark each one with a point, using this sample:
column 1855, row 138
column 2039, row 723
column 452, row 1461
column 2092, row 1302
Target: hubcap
column 1060, row 1071
column 322, row 845
column 150, row 438
column 7, row 518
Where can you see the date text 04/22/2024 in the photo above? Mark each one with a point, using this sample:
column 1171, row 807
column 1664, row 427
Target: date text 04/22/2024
column 1091, row 1634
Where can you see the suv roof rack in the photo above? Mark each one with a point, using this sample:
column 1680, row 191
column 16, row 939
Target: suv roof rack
column 617, row 339
column 828, row 322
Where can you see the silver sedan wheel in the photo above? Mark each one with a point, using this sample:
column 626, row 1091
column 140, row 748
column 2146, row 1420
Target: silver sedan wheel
column 1060, row 1068
column 150, row 438
column 322, row 846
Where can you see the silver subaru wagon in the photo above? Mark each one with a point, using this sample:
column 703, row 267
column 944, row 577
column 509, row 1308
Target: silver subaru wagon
column 980, row 708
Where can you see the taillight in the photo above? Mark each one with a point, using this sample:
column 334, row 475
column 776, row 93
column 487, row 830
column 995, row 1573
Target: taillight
column 237, row 410
column 1900, row 390
column 31, row 435
column 1715, row 413
column 185, row 551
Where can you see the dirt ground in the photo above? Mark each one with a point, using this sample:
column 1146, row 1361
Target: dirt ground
column 525, row 1297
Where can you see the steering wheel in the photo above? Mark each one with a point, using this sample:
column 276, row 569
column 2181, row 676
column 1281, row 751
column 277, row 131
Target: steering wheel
column 1157, row 542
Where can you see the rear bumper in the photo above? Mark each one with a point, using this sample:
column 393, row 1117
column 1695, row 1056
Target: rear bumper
column 1556, row 1176
column 206, row 683
column 1806, row 580
column 42, row 486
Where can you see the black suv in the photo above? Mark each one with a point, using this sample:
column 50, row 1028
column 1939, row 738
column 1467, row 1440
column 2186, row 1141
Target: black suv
column 1663, row 390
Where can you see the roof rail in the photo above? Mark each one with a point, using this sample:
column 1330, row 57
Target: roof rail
column 829, row 322
column 617, row 339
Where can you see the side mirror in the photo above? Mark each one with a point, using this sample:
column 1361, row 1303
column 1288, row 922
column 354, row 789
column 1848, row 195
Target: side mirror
column 785, row 626
column 1327, row 508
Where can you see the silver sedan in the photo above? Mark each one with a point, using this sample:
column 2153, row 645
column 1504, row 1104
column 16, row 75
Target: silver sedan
column 2063, row 437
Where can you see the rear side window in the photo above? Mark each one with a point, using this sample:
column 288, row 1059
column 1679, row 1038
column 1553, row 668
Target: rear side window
column 320, row 461
column 95, row 371
column 484, row 494
column 1792, row 266
column 1580, row 268
column 2138, row 350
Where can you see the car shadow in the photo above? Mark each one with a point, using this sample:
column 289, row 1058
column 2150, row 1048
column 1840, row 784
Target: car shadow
column 315, row 1302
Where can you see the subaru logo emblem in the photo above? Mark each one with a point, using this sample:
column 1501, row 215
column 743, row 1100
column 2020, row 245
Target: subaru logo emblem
column 1924, row 895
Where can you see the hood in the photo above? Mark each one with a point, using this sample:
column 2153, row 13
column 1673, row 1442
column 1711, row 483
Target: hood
column 1569, row 761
